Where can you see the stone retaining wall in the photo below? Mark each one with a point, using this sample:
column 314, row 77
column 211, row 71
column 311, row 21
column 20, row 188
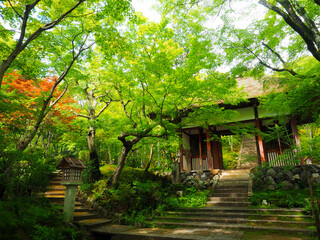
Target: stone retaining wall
column 200, row 179
column 286, row 178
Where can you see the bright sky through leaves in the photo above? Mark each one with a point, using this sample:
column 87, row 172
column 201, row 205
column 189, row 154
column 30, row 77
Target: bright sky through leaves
column 145, row 7
column 242, row 12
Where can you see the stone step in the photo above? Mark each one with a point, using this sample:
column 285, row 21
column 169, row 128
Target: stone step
column 77, row 209
column 78, row 204
column 243, row 215
column 236, row 226
column 233, row 175
column 231, row 186
column 60, row 201
column 233, row 180
column 56, row 176
column 81, row 209
column 55, row 192
column 227, row 204
column 229, row 199
column 96, row 222
column 231, row 190
column 56, row 187
column 213, row 209
column 84, row 215
column 55, row 196
column 236, row 170
column 122, row 232
column 54, row 183
column 235, row 220
column 231, row 194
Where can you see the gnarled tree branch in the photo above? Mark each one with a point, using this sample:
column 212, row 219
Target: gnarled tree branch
column 20, row 46
column 310, row 36
column 293, row 73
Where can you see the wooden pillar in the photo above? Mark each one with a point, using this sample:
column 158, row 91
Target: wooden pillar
column 209, row 151
column 217, row 153
column 220, row 155
column 258, row 152
column 200, row 147
column 262, row 152
column 216, row 159
column 296, row 137
column 181, row 152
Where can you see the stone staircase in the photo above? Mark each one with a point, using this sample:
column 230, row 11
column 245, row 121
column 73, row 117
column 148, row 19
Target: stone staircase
column 229, row 208
column 232, row 189
column 83, row 215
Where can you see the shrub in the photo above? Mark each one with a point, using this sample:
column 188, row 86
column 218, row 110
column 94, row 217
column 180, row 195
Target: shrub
column 284, row 198
column 191, row 198
column 34, row 218
column 22, row 174
column 141, row 195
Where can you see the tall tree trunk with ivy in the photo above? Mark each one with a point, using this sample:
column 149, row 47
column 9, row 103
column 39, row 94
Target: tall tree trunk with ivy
column 94, row 165
column 150, row 159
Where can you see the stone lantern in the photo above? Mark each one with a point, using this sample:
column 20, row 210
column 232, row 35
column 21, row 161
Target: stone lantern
column 72, row 177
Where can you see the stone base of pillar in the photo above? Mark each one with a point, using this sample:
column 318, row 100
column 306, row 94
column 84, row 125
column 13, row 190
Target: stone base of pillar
column 176, row 173
column 69, row 202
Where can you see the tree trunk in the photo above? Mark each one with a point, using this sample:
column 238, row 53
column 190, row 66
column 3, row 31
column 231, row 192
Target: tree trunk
column 23, row 144
column 36, row 143
column 110, row 157
column 295, row 20
column 150, row 159
column 6, row 64
column 114, row 179
column 94, row 166
column 317, row 212
column 23, row 42
column 46, row 148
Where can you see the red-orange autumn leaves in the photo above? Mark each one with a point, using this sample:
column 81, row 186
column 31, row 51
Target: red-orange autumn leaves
column 27, row 96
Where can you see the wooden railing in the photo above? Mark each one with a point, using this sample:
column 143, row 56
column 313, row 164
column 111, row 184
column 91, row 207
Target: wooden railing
column 287, row 158
column 195, row 163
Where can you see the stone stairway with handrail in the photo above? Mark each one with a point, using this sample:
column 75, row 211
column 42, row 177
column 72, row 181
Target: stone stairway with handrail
column 83, row 215
column 229, row 208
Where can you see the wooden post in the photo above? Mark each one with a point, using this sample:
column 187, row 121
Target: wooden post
column 200, row 147
column 209, row 149
column 258, row 151
column 181, row 152
column 220, row 155
column 216, row 159
column 296, row 137
column 216, row 153
column 260, row 141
